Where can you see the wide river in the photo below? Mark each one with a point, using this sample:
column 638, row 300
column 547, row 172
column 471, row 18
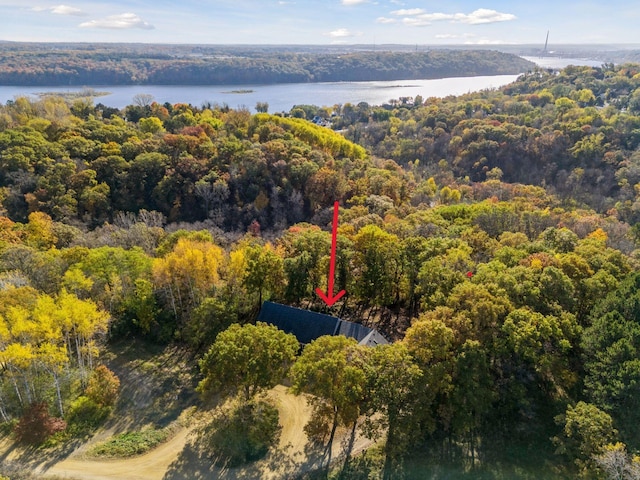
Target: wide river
column 282, row 97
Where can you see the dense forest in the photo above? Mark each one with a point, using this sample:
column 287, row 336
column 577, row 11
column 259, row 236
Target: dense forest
column 64, row 64
column 493, row 237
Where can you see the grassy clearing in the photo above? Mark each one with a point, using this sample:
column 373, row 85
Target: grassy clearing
column 130, row 444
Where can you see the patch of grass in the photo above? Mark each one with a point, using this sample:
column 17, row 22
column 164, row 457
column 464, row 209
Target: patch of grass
column 130, row 444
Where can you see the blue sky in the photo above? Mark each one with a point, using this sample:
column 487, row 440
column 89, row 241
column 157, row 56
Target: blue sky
column 321, row 22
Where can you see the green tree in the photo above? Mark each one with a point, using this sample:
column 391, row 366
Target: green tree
column 264, row 270
column 330, row 370
column 393, row 380
column 247, row 360
column 611, row 348
column 544, row 343
column 377, row 263
column 151, row 125
column 304, row 248
column 211, row 317
column 586, row 430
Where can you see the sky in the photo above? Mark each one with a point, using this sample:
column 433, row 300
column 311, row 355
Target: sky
column 371, row 22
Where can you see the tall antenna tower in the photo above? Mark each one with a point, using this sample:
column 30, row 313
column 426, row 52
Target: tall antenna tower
column 546, row 42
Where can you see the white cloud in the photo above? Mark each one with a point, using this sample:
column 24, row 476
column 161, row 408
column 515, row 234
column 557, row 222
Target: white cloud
column 67, row 10
column 426, row 19
column 415, row 18
column 408, row 11
column 386, row 20
column 484, row 15
column 343, row 33
column 353, row 2
column 118, row 22
column 447, row 35
column 416, row 22
column 61, row 10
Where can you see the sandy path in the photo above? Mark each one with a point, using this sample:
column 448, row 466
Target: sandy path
column 151, row 466
column 181, row 458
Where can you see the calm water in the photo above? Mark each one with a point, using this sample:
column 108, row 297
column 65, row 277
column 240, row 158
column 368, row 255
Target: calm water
column 558, row 62
column 282, row 97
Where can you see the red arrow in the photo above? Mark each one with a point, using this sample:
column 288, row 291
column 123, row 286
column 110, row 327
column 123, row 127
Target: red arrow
column 329, row 298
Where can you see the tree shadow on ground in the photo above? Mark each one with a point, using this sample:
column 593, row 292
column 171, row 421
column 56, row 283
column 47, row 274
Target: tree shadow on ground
column 37, row 459
column 156, row 384
column 281, row 463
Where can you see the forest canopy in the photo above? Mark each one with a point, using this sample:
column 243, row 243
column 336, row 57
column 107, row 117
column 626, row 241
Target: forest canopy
column 493, row 237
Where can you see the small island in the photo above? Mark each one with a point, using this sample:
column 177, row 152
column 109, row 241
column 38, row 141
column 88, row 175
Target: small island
column 74, row 94
column 239, row 91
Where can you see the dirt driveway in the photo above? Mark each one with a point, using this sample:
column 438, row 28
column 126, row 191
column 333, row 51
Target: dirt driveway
column 181, row 458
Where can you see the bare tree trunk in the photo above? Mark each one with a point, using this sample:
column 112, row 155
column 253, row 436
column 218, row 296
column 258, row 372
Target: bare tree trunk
column 56, row 382
column 28, row 390
column 3, row 410
column 90, row 357
column 173, row 302
column 15, row 386
column 80, row 360
column 67, row 339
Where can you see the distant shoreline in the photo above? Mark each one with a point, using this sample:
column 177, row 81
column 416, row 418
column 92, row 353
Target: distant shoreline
column 72, row 66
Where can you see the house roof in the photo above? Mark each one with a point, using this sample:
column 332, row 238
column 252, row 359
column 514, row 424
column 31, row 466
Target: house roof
column 307, row 325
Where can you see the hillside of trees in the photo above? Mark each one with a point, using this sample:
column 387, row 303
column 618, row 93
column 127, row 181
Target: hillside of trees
column 493, row 237
column 80, row 65
column 575, row 132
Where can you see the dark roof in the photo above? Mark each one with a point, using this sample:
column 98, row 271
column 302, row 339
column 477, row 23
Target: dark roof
column 307, row 325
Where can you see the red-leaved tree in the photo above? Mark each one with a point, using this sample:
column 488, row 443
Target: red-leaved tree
column 36, row 425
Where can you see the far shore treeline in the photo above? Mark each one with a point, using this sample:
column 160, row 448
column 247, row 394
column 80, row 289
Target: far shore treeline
column 78, row 65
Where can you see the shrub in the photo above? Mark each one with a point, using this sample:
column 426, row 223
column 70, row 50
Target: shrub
column 36, row 425
column 86, row 414
column 131, row 443
column 103, row 387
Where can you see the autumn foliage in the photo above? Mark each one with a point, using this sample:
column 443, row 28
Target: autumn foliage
column 494, row 238
column 103, row 387
column 36, row 425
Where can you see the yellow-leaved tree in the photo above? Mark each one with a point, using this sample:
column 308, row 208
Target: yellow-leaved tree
column 188, row 273
column 44, row 342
